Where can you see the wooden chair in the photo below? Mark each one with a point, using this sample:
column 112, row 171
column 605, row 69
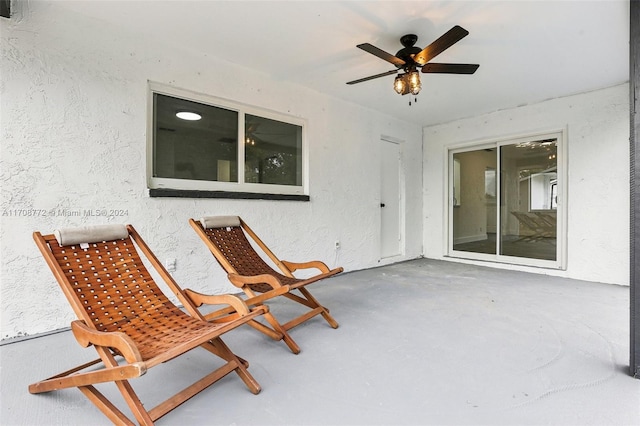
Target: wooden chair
column 540, row 228
column 123, row 314
column 226, row 238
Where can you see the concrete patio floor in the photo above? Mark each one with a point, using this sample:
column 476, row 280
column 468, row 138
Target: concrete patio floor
column 422, row 342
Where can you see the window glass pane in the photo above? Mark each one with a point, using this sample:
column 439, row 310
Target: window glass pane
column 201, row 149
column 529, row 199
column 273, row 152
column 474, row 212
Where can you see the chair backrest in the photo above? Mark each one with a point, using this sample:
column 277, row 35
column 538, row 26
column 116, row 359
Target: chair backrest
column 105, row 280
column 526, row 220
column 233, row 251
column 546, row 220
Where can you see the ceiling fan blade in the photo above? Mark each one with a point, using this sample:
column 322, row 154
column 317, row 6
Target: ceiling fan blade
column 445, row 41
column 450, row 68
column 381, row 54
column 373, row 76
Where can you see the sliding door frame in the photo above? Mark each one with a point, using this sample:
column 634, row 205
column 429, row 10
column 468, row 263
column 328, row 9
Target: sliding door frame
column 562, row 206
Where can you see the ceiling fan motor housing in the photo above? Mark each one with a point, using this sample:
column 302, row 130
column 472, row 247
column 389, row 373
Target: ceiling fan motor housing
column 409, row 50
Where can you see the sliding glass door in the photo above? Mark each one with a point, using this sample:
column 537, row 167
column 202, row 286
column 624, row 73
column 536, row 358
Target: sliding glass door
column 474, row 209
column 504, row 201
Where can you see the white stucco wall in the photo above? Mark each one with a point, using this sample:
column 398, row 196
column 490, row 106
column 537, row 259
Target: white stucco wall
column 597, row 128
column 73, row 129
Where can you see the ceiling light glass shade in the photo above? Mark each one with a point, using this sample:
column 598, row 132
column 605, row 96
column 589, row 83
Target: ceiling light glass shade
column 400, row 85
column 414, row 82
column 188, row 115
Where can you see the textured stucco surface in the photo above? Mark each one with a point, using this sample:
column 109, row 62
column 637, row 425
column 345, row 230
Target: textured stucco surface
column 597, row 129
column 73, row 139
column 73, row 128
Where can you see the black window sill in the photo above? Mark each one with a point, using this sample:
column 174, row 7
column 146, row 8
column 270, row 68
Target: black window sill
column 186, row 193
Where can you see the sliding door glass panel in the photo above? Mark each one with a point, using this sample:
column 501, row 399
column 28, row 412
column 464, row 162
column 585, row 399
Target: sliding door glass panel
column 528, row 199
column 474, row 201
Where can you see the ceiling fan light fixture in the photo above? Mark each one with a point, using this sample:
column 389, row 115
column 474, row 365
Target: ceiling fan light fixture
column 400, row 85
column 414, row 82
column 188, row 115
column 408, row 82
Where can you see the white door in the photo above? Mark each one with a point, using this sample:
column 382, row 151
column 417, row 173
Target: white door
column 390, row 196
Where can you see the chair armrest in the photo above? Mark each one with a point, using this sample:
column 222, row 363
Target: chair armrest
column 235, row 302
column 242, row 280
column 293, row 266
column 268, row 295
column 120, row 341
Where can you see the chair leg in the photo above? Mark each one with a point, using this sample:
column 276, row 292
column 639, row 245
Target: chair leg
column 218, row 347
column 104, row 405
column 277, row 332
column 134, row 403
column 125, row 389
column 265, row 330
column 286, row 338
column 325, row 312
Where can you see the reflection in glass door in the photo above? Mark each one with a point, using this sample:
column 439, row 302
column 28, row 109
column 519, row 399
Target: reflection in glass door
column 474, row 211
column 529, row 199
column 505, row 200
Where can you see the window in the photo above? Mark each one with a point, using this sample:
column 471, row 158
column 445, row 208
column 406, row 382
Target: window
column 507, row 201
column 215, row 146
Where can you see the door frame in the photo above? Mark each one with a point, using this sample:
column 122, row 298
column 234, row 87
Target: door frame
column 401, row 200
column 561, row 134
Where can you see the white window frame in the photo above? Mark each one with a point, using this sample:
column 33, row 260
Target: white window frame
column 562, row 163
column 241, row 186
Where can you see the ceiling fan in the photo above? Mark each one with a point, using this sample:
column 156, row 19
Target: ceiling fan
column 411, row 58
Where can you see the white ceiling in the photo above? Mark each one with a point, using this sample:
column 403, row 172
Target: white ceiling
column 528, row 51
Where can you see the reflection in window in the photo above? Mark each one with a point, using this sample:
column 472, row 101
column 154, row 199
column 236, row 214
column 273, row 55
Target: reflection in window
column 209, row 144
column 474, row 221
column 203, row 149
column 273, row 151
column 540, row 190
column 490, row 183
column 553, row 202
column 528, row 218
